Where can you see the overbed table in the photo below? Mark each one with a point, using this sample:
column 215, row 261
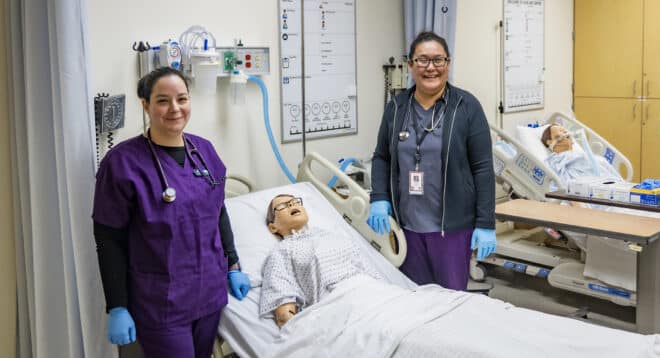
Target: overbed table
column 562, row 195
column 643, row 232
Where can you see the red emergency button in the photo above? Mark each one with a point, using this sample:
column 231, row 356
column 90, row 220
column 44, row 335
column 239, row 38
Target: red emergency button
column 248, row 64
column 248, row 57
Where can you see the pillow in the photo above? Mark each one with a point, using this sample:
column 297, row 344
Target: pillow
column 252, row 239
column 530, row 138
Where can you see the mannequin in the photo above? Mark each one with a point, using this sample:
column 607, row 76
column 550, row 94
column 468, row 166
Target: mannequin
column 307, row 263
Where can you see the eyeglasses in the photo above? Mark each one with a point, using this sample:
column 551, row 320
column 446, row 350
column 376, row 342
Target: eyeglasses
column 283, row 205
column 424, row 62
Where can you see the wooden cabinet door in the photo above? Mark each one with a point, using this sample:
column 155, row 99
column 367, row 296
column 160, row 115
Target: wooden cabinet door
column 608, row 48
column 651, row 139
column 651, row 76
column 618, row 120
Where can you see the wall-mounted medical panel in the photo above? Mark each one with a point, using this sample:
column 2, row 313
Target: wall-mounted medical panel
column 251, row 60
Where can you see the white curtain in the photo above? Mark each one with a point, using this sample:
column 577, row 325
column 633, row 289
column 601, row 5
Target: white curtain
column 438, row 16
column 61, row 306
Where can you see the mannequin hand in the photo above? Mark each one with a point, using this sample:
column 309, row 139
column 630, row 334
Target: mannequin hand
column 121, row 328
column 239, row 284
column 484, row 241
column 284, row 313
column 379, row 220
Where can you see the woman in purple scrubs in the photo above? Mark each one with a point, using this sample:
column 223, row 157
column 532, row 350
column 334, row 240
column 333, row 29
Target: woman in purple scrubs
column 164, row 241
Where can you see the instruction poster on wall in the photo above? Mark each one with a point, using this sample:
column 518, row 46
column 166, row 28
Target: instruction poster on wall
column 523, row 59
column 330, row 106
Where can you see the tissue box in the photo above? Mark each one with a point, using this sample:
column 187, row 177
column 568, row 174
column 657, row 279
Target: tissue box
column 621, row 191
column 580, row 186
column 645, row 196
column 602, row 189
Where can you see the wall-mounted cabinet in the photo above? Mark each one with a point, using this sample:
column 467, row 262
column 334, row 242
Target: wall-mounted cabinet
column 617, row 76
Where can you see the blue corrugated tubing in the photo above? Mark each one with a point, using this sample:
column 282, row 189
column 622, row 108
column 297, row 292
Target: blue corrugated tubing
column 276, row 151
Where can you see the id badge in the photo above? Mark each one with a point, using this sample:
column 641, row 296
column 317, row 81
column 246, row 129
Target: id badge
column 416, row 183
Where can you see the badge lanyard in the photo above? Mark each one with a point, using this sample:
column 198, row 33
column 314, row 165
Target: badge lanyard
column 416, row 177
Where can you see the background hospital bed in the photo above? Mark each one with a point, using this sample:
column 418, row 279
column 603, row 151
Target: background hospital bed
column 251, row 336
column 523, row 174
column 529, row 177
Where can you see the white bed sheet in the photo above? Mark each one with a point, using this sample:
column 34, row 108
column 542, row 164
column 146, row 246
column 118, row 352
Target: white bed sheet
column 474, row 327
column 240, row 325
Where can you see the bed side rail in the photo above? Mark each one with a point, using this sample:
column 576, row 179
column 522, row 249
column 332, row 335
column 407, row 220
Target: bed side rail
column 526, row 176
column 237, row 185
column 355, row 208
column 598, row 144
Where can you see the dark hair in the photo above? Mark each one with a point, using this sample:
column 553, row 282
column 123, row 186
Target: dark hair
column 147, row 82
column 425, row 36
column 547, row 135
column 270, row 214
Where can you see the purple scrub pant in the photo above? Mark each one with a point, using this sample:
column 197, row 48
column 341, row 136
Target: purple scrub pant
column 190, row 340
column 432, row 258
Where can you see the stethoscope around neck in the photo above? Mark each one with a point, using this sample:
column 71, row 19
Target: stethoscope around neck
column 169, row 193
column 405, row 133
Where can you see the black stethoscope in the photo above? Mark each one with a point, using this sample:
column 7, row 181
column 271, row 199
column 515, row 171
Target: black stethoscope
column 404, row 134
column 169, row 194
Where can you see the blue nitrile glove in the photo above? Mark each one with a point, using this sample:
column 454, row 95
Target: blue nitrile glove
column 379, row 213
column 239, row 284
column 484, row 241
column 121, row 328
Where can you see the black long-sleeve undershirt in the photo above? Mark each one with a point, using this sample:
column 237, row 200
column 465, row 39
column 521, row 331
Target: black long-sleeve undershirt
column 112, row 250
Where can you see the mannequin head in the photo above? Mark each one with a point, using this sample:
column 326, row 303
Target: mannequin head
column 557, row 138
column 285, row 214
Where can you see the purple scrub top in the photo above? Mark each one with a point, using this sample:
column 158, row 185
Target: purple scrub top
column 177, row 267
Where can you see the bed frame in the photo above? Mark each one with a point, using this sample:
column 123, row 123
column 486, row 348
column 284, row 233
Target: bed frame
column 524, row 250
column 354, row 207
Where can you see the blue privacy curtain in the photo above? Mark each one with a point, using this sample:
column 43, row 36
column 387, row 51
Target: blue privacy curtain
column 438, row 16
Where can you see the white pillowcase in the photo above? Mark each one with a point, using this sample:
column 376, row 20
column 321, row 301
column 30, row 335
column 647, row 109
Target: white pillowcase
column 530, row 138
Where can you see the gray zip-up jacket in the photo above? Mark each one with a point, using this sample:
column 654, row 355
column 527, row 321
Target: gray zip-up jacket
column 468, row 179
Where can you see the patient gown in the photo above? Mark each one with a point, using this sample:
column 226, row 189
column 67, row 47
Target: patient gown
column 306, row 266
column 573, row 164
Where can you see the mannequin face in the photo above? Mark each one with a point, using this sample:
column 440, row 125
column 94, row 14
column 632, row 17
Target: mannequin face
column 560, row 136
column 289, row 214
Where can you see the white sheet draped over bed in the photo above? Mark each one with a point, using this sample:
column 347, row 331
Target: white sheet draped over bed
column 362, row 317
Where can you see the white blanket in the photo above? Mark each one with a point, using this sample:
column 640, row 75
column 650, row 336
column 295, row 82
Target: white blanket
column 364, row 317
column 485, row 327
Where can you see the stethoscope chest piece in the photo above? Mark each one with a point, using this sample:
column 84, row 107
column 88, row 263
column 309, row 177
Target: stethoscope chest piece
column 403, row 135
column 169, row 195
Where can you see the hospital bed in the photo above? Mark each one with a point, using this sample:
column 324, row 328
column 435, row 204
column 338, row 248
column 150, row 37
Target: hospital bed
column 522, row 173
column 448, row 328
